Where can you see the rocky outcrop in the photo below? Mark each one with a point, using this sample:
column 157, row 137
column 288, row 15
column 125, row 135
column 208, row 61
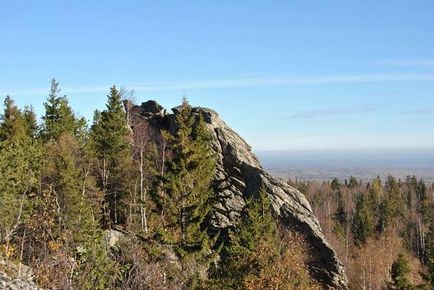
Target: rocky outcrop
column 18, row 277
column 239, row 176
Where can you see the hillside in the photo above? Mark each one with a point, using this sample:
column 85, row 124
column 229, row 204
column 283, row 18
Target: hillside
column 145, row 199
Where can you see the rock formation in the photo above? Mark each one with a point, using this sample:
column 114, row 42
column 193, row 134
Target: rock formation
column 239, row 176
column 18, row 277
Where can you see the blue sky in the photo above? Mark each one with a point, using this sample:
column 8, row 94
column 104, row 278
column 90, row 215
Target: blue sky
column 287, row 75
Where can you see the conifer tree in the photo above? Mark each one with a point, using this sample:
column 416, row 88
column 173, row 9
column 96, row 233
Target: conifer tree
column 253, row 247
column 399, row 274
column 187, row 197
column 375, row 192
column 31, row 122
column 20, row 159
column 353, row 183
column 363, row 220
column 335, row 184
column 391, row 203
column 12, row 121
column 96, row 270
column 63, row 175
column 340, row 217
column 109, row 142
column 428, row 276
column 59, row 117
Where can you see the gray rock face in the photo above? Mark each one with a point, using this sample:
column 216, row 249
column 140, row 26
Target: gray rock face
column 22, row 277
column 240, row 175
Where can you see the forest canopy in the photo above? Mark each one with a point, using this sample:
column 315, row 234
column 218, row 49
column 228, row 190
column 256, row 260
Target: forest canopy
column 122, row 205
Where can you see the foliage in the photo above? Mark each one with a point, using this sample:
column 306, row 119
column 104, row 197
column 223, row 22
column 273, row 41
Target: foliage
column 363, row 220
column 62, row 187
column 109, row 144
column 384, row 217
column 399, row 273
column 20, row 161
column 59, row 117
column 260, row 256
column 96, row 269
column 185, row 200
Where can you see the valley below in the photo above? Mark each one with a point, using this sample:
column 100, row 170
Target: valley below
column 318, row 165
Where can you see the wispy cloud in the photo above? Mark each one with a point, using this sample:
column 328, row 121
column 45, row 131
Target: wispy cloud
column 420, row 111
column 239, row 82
column 411, row 62
column 335, row 111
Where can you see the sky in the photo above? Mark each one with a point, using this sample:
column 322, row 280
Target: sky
column 286, row 75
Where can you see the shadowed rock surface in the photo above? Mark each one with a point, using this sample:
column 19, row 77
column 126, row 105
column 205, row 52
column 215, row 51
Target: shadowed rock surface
column 239, row 176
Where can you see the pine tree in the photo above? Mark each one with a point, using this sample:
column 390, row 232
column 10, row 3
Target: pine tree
column 353, row 183
column 341, row 218
column 253, row 247
column 391, row 203
column 96, row 269
column 109, row 143
column 375, row 192
column 20, row 161
column 12, row 122
column 59, row 117
column 363, row 220
column 428, row 276
column 399, row 274
column 63, row 176
column 335, row 184
column 187, row 197
column 31, row 122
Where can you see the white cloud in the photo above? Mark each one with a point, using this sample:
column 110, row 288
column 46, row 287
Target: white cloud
column 411, row 62
column 420, row 111
column 347, row 141
column 334, row 111
column 238, row 82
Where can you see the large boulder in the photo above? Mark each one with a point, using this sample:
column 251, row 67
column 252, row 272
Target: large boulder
column 240, row 175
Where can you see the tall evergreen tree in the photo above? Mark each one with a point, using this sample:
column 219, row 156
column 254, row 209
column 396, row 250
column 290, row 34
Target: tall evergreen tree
column 31, row 122
column 59, row 117
column 12, row 124
column 110, row 145
column 187, row 192
column 253, row 247
column 363, row 220
column 63, row 175
column 429, row 257
column 390, row 204
column 340, row 217
column 399, row 274
column 20, row 159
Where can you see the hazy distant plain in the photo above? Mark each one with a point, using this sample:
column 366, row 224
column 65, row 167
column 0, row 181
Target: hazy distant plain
column 363, row 164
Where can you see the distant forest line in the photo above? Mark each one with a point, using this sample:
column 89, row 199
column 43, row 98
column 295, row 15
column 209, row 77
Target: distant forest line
column 377, row 225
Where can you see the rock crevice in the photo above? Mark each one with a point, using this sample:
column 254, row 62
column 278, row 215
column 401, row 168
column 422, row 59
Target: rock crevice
column 239, row 175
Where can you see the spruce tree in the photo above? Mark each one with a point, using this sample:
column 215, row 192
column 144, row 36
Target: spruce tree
column 253, row 246
column 187, row 194
column 20, row 161
column 363, row 220
column 109, row 143
column 96, row 269
column 428, row 276
column 12, row 124
column 340, row 218
column 31, row 122
column 63, row 176
column 59, row 117
column 399, row 274
column 391, row 203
